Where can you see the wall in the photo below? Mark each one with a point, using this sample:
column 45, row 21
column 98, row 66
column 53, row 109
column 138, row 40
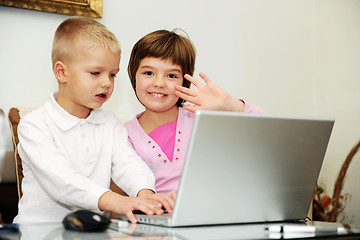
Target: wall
column 299, row 57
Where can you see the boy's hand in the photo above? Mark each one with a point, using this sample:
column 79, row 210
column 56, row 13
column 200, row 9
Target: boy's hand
column 166, row 200
column 118, row 204
column 208, row 96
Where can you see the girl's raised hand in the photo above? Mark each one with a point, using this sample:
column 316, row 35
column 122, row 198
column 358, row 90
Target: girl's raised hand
column 207, row 96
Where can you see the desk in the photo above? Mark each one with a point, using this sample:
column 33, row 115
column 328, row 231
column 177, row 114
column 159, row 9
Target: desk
column 142, row 231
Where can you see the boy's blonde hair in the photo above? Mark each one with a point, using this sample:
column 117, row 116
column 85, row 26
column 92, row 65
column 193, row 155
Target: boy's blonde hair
column 165, row 45
column 76, row 29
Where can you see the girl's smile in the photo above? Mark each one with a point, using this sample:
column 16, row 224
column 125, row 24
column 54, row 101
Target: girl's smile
column 158, row 95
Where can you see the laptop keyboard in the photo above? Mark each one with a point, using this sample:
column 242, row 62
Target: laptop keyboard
column 139, row 212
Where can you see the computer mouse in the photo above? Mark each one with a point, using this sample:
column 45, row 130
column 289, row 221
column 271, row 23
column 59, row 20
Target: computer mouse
column 86, row 221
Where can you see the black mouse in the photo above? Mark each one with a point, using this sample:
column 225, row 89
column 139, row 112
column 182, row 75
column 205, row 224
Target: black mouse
column 86, row 221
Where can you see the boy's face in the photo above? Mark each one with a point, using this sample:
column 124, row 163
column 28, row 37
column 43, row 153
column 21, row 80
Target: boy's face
column 89, row 80
column 155, row 83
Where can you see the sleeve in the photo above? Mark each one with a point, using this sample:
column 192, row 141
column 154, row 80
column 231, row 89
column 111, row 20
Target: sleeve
column 129, row 171
column 128, row 127
column 131, row 143
column 53, row 170
column 249, row 108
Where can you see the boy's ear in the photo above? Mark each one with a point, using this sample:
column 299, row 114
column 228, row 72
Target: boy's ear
column 60, row 72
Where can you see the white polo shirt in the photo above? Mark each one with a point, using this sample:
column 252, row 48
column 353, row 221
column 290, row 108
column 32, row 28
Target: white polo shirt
column 68, row 162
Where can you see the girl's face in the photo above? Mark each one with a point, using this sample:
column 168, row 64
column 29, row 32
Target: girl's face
column 155, row 83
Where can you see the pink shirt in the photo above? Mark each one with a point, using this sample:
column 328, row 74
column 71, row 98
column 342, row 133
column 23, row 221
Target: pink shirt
column 164, row 136
column 167, row 173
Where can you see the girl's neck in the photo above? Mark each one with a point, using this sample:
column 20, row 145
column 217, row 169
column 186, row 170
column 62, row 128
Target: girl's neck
column 151, row 120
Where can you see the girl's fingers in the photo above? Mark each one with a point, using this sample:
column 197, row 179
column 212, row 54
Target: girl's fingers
column 204, row 77
column 186, row 97
column 191, row 108
column 187, row 91
column 191, row 79
column 173, row 194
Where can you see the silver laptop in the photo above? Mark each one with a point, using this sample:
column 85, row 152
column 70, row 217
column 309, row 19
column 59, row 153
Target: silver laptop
column 247, row 168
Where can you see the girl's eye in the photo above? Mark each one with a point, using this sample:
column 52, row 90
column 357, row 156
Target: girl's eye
column 113, row 75
column 148, row 73
column 95, row 73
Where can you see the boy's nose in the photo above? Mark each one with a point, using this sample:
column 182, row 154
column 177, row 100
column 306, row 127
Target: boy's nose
column 159, row 82
column 106, row 82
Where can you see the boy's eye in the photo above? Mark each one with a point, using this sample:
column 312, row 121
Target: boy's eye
column 172, row 76
column 95, row 73
column 113, row 75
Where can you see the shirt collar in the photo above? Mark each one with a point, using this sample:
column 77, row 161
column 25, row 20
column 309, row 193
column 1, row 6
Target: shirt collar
column 65, row 120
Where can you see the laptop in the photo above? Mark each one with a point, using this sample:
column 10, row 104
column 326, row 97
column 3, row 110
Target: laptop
column 247, row 168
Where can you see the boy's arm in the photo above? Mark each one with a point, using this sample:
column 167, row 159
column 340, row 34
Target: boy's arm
column 53, row 171
column 211, row 97
column 129, row 171
column 132, row 174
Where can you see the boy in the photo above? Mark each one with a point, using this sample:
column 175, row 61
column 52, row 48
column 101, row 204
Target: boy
column 70, row 148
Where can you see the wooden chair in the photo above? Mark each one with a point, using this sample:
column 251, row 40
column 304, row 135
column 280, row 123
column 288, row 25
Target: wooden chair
column 14, row 119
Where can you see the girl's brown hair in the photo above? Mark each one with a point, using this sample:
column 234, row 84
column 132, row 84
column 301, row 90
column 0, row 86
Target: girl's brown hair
column 166, row 45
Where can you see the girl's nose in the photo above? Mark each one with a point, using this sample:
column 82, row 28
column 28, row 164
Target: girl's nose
column 159, row 82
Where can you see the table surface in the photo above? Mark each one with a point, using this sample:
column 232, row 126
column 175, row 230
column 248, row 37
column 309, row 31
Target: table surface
column 125, row 230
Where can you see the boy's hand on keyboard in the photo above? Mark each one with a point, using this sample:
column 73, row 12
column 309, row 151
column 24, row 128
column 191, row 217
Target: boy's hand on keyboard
column 166, row 200
column 118, row 204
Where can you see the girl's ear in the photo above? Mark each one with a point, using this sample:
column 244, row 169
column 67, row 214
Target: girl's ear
column 60, row 72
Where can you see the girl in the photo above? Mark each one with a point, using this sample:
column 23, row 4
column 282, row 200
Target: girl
column 160, row 69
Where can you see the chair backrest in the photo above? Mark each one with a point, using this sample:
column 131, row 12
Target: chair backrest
column 14, row 119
